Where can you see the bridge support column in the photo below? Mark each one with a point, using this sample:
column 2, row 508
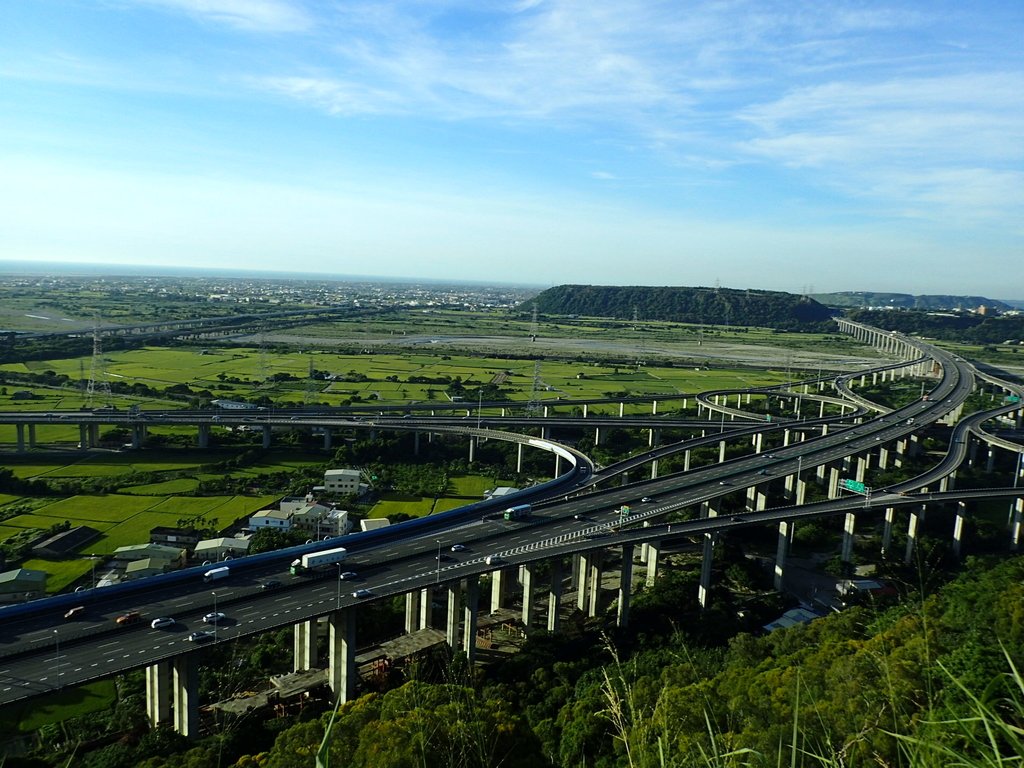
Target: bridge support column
column 203, row 436
column 497, row 590
column 31, row 435
column 622, row 410
column 452, row 618
column 527, row 574
column 426, row 607
column 185, row 682
column 94, row 435
column 833, row 483
column 654, row 470
column 472, row 448
column 158, row 693
column 958, row 527
column 890, row 514
column 469, row 617
column 990, row 459
column 20, row 431
column 558, row 465
column 653, row 550
column 304, row 645
column 416, row 443
column 266, row 436
column 597, row 435
column 341, row 668
column 686, row 460
column 519, row 457
column 782, row 553
column 327, row 439
column 412, row 611
column 138, row 435
column 761, row 500
column 1015, row 525
column 585, row 410
column 581, row 567
column 916, row 519
column 721, row 451
column 849, row 526
column 555, row 595
column 883, row 458
column 758, row 442
column 625, row 586
column 83, row 436
column 704, row 588
column 594, row 583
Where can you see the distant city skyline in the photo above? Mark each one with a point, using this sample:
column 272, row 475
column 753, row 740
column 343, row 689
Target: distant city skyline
column 800, row 147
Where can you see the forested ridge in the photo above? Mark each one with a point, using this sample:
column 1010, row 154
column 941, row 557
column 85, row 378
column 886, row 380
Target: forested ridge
column 913, row 685
column 711, row 306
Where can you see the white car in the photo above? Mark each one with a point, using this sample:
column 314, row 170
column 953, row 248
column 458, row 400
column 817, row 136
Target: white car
column 214, row 617
column 162, row 622
column 348, row 575
column 459, row 548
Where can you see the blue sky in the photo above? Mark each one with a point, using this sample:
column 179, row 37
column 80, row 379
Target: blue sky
column 814, row 146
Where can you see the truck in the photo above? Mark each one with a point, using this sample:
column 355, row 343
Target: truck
column 518, row 512
column 217, row 573
column 311, row 561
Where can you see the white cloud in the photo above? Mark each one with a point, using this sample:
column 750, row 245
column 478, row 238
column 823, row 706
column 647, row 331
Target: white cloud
column 249, row 15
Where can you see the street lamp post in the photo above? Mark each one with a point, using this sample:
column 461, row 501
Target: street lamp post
column 438, row 579
column 215, row 623
column 338, row 600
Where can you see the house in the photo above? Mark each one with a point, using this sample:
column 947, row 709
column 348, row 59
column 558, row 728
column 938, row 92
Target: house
column 341, row 482
column 791, row 618
column 64, row 543
column 22, row 584
column 318, row 521
column 186, row 538
column 271, row 518
column 147, row 566
column 171, row 557
column 213, row 550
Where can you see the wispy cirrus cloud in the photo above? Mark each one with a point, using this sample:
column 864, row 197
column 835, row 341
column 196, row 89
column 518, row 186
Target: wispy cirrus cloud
column 249, row 15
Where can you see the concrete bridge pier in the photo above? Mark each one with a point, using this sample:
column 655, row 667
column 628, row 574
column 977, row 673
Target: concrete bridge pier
column 555, row 595
column 341, row 666
column 469, row 618
column 83, row 436
column 304, row 654
column 653, row 437
column 31, row 435
column 653, row 550
column 327, row 439
column 883, row 457
column 586, row 411
column 782, row 552
column 20, row 431
column 416, row 443
column 472, row 448
column 622, row 409
column 527, row 573
column 581, row 575
column 686, row 460
column 958, row 527
column 625, row 586
column 138, row 435
column 916, row 520
column 185, row 686
column 203, row 436
column 412, row 611
column 833, row 483
column 890, row 514
column 1015, row 525
column 597, row 435
column 158, row 693
column 721, row 451
column 497, row 590
column 558, row 465
column 594, row 583
column 266, row 436
column 454, row 591
column 426, row 608
column 519, row 457
column 654, row 470
column 849, row 527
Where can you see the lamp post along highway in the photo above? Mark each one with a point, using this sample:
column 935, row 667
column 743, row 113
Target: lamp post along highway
column 437, row 580
column 337, row 603
column 215, row 623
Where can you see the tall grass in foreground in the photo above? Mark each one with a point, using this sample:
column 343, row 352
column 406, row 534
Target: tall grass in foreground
column 989, row 735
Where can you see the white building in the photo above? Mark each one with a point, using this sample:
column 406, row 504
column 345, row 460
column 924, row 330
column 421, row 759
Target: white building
column 319, row 521
column 271, row 518
column 341, row 482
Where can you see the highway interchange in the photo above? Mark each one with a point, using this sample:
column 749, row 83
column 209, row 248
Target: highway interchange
column 40, row 652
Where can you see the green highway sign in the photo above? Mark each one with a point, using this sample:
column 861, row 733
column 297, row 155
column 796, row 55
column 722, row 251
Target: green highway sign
column 855, row 486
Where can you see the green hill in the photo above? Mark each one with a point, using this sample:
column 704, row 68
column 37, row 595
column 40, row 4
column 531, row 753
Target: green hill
column 711, row 306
